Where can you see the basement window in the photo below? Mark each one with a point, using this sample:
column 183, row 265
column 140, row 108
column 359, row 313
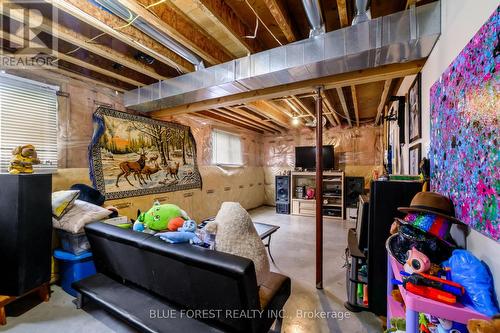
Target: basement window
column 28, row 115
column 226, row 149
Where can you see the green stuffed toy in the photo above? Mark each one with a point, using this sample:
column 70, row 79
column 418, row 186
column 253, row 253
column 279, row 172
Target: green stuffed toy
column 159, row 217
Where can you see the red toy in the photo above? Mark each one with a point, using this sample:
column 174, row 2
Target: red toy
column 432, row 293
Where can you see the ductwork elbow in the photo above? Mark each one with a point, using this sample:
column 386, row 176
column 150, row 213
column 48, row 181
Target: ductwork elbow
column 314, row 16
column 362, row 12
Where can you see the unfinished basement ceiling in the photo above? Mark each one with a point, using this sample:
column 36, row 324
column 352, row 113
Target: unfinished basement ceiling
column 126, row 58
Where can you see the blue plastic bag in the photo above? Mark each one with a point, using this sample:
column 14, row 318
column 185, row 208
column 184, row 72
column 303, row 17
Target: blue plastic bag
column 476, row 279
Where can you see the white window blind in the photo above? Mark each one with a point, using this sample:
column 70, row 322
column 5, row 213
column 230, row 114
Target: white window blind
column 226, row 148
column 28, row 115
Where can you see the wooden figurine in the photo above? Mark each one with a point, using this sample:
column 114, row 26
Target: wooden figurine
column 23, row 159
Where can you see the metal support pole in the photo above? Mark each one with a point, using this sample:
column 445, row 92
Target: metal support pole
column 319, row 189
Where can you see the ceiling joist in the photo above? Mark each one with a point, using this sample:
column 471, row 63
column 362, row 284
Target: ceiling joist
column 271, row 111
column 344, row 105
column 167, row 19
column 282, row 17
column 303, row 106
column 224, row 119
column 383, row 100
column 329, row 106
column 61, row 56
column 342, row 9
column 109, row 24
column 231, row 24
column 81, row 41
column 246, row 120
column 265, row 122
column 355, row 103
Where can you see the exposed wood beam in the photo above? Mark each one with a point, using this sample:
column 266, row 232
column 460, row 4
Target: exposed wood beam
column 302, row 105
column 280, row 14
column 329, row 104
column 84, row 78
column 355, row 102
column 246, row 120
column 344, row 105
column 224, row 119
column 345, row 79
column 383, row 100
column 20, row 41
column 165, row 18
column 269, row 109
column 230, row 23
column 250, row 116
column 342, row 9
column 108, row 23
column 81, row 41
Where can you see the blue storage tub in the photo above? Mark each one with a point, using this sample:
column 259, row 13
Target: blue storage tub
column 73, row 268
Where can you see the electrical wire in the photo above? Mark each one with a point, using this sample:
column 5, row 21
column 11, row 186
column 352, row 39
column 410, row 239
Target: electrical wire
column 130, row 21
column 262, row 22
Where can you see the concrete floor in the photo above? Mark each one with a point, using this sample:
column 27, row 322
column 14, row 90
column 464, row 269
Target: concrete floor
column 293, row 248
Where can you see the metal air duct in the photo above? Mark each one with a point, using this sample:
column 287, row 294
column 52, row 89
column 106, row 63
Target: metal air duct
column 362, row 12
column 314, row 16
column 401, row 37
column 116, row 8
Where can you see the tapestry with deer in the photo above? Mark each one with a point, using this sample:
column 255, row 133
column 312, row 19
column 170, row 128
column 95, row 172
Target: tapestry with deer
column 132, row 155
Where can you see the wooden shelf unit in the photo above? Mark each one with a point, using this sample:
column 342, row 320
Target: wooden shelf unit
column 307, row 207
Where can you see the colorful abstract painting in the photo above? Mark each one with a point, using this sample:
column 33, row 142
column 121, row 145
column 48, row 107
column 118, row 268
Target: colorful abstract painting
column 132, row 155
column 465, row 113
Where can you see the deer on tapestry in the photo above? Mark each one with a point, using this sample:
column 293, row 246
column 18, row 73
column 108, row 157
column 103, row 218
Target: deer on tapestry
column 135, row 167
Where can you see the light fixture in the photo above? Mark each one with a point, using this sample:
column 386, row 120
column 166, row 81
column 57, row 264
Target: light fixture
column 2, row 71
column 295, row 121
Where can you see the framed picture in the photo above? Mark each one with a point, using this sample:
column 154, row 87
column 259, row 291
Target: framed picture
column 415, row 109
column 415, row 155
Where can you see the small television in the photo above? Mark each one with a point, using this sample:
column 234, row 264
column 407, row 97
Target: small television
column 305, row 158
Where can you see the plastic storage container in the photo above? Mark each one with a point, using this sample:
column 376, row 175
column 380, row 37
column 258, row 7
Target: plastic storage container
column 73, row 268
column 73, row 243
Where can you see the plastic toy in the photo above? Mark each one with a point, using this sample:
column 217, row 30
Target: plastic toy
column 417, row 262
column 447, row 326
column 428, row 292
column 23, row 159
column 159, row 217
column 422, row 279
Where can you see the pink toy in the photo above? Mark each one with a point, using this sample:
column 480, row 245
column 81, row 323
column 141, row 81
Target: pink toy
column 417, row 262
column 310, row 193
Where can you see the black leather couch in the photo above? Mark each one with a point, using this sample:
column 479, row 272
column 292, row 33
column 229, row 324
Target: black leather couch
column 161, row 287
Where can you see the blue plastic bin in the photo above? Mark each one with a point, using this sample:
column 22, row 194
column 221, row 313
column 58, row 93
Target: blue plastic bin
column 73, row 268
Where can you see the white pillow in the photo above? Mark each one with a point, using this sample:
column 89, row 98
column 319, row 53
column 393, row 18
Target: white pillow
column 79, row 215
column 62, row 202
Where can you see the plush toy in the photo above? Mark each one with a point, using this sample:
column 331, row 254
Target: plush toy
column 23, row 159
column 484, row 326
column 159, row 217
column 183, row 235
column 176, row 223
column 189, row 226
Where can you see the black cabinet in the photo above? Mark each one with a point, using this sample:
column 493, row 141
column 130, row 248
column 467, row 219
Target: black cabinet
column 25, row 232
column 385, row 198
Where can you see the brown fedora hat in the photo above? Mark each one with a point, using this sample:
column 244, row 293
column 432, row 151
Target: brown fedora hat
column 432, row 203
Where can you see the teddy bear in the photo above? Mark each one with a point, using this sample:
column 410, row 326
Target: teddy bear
column 23, row 159
column 235, row 234
column 484, row 326
column 166, row 217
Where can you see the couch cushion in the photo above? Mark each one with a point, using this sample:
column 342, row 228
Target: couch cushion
column 270, row 287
